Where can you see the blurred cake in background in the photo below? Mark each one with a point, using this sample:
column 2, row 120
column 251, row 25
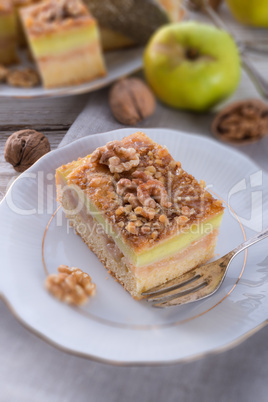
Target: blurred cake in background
column 127, row 23
column 8, row 33
column 66, row 38
column 64, row 41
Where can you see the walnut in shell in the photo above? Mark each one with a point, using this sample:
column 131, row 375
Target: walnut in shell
column 131, row 101
column 23, row 148
column 242, row 122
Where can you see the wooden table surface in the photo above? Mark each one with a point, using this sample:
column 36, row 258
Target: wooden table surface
column 52, row 117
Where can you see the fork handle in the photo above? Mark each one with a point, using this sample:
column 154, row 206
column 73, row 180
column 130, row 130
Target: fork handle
column 260, row 236
column 258, row 80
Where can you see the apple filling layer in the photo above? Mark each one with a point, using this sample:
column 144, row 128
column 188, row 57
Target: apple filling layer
column 143, row 229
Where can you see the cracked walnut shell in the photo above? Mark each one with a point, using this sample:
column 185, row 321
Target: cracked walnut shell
column 70, row 285
column 131, row 101
column 23, row 148
column 242, row 122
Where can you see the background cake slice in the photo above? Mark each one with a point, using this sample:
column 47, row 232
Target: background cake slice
column 64, row 41
column 18, row 4
column 8, row 33
column 127, row 23
column 146, row 219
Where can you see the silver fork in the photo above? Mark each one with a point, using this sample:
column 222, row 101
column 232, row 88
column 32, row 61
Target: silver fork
column 198, row 283
column 257, row 79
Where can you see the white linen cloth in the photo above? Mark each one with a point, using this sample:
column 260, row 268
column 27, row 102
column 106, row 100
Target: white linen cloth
column 33, row 371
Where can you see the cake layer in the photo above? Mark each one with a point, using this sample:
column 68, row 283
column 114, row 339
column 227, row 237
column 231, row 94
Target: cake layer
column 159, row 251
column 135, row 280
column 147, row 219
column 80, row 65
column 64, row 41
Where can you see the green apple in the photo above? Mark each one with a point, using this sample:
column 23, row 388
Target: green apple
column 191, row 65
column 250, row 12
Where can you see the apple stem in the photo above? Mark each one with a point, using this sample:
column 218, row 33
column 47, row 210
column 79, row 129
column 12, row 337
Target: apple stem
column 192, row 54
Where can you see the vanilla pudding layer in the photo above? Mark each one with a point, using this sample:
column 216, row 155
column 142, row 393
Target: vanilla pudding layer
column 108, row 247
column 59, row 42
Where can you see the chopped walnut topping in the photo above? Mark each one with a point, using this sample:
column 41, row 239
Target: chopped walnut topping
column 119, row 211
column 217, row 203
column 185, row 211
column 150, row 169
column 71, row 285
column 132, row 217
column 150, row 192
column 202, row 183
column 146, row 212
column 128, row 209
column 48, row 15
column 181, row 220
column 154, row 188
column 118, row 158
column 125, row 184
column 131, row 199
column 164, row 219
column 138, row 210
column 154, row 235
column 142, row 176
column 131, row 228
column 145, row 230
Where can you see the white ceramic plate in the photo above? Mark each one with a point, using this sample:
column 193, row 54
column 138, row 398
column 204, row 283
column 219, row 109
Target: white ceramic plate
column 119, row 64
column 113, row 327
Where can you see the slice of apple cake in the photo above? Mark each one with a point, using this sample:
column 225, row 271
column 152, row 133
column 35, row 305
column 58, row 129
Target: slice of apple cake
column 64, row 41
column 146, row 219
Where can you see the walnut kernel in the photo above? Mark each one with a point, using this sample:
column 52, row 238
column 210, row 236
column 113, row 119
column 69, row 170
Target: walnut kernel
column 70, row 285
column 242, row 122
column 118, row 158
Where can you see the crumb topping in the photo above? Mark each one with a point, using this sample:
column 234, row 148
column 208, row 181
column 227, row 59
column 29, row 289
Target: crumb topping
column 143, row 192
column 50, row 14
